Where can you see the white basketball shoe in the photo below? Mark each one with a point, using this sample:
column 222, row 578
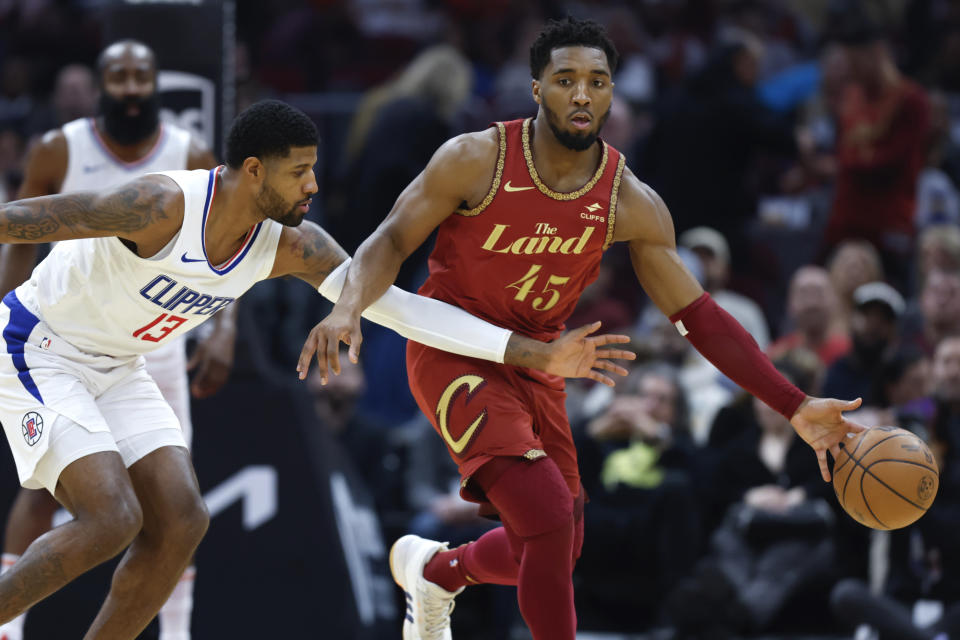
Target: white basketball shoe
column 428, row 605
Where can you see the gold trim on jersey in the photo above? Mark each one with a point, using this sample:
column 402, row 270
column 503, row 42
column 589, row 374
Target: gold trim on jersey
column 614, row 194
column 544, row 189
column 495, row 185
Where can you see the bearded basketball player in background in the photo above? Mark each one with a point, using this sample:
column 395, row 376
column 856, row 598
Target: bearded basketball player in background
column 524, row 211
column 124, row 140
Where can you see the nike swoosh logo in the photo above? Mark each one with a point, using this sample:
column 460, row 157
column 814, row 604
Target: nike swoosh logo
column 507, row 187
column 184, row 258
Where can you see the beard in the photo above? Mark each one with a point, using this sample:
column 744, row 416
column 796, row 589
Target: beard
column 125, row 129
column 574, row 141
column 273, row 206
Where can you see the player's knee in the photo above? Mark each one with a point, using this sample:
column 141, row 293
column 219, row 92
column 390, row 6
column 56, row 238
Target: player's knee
column 118, row 525
column 187, row 528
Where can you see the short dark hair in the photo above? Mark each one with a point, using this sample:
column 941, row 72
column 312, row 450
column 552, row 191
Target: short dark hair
column 570, row 32
column 268, row 129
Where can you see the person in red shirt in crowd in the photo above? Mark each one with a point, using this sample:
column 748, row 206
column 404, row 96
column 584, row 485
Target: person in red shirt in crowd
column 881, row 147
column 813, row 312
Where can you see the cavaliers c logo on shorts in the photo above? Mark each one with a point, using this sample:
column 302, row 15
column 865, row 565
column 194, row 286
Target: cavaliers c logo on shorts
column 472, row 383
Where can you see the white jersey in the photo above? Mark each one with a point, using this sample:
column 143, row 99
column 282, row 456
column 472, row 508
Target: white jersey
column 91, row 164
column 104, row 299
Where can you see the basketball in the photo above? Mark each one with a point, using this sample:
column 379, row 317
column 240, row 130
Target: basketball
column 885, row 478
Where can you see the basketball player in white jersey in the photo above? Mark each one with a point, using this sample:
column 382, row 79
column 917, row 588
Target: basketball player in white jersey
column 148, row 261
column 124, row 140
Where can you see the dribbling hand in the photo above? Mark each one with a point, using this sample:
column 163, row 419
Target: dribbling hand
column 820, row 422
column 324, row 340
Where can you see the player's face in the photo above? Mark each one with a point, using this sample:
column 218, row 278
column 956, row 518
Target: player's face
column 575, row 92
column 129, row 101
column 285, row 194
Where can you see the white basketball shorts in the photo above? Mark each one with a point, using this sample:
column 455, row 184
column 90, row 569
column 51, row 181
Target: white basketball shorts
column 59, row 404
column 168, row 368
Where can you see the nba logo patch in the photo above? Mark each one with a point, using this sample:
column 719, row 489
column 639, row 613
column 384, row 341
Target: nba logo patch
column 32, row 427
column 45, row 343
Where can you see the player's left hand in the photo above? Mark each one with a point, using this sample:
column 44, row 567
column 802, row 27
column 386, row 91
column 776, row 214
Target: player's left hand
column 577, row 354
column 340, row 325
column 212, row 360
column 820, row 422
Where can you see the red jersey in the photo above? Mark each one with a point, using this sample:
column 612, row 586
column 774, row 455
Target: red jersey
column 523, row 256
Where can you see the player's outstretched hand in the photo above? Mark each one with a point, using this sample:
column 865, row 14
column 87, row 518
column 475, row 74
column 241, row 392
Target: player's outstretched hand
column 577, row 354
column 324, row 340
column 821, row 424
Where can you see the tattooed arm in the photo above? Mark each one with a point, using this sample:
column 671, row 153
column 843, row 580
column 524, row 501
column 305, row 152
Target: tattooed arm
column 138, row 211
column 307, row 252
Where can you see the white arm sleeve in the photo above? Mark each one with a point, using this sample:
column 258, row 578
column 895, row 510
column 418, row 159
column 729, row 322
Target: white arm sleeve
column 427, row 321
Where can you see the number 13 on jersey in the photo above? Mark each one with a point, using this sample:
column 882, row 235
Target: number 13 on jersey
column 526, row 284
column 164, row 323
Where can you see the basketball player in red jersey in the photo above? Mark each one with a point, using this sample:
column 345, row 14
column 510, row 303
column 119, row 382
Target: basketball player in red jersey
column 525, row 210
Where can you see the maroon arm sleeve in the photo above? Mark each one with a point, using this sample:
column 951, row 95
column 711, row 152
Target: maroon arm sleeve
column 733, row 351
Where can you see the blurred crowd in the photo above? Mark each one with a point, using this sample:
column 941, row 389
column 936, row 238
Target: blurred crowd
column 809, row 151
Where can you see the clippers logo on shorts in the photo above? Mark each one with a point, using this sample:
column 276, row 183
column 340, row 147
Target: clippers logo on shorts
column 32, row 427
column 472, row 383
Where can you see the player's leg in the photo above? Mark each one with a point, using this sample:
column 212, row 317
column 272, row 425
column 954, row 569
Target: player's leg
column 168, row 367
column 174, row 521
column 30, row 517
column 107, row 516
column 151, row 444
column 535, row 549
column 485, row 414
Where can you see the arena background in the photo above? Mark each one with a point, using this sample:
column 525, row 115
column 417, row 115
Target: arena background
column 308, row 489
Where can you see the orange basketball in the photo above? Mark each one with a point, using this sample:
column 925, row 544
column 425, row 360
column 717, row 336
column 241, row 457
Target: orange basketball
column 885, row 477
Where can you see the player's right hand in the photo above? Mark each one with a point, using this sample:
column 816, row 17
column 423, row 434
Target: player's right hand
column 339, row 326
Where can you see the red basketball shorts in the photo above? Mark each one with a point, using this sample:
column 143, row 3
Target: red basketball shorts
column 483, row 409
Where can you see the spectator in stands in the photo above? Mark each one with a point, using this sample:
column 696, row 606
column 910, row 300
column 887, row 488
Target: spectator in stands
column 853, row 263
column 938, row 247
column 708, row 134
column 336, row 407
column 774, row 546
column 714, row 253
column 902, row 394
column 812, row 311
column 923, row 556
column 881, row 148
column 75, row 95
column 938, row 200
column 939, row 310
column 873, row 332
column 638, row 465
